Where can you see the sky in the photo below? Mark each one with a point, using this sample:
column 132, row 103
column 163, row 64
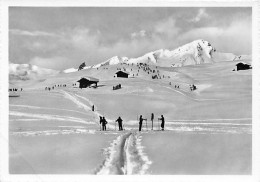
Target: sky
column 63, row 37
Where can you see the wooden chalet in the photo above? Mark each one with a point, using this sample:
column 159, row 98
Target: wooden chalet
column 122, row 74
column 243, row 66
column 85, row 82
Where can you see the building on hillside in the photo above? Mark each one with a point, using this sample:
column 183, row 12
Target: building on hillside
column 243, row 66
column 85, row 82
column 122, row 74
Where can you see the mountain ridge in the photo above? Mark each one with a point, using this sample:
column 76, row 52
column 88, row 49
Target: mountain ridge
column 193, row 53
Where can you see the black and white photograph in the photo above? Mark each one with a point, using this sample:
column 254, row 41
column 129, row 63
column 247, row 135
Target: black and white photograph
column 130, row 90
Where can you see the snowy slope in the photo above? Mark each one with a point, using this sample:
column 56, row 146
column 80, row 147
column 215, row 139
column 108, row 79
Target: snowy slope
column 70, row 70
column 112, row 61
column 28, row 72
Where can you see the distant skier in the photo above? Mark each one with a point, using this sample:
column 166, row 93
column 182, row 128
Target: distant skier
column 120, row 121
column 93, row 108
column 141, row 122
column 163, row 122
column 152, row 117
column 104, row 122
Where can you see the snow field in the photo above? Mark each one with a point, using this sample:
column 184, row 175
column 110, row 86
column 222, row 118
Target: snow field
column 208, row 131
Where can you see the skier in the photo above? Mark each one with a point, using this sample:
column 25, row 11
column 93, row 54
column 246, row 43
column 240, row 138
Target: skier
column 163, row 121
column 100, row 121
column 119, row 120
column 104, row 122
column 141, row 122
column 93, row 108
column 152, row 117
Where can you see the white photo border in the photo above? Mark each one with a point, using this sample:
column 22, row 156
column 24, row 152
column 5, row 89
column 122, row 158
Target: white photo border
column 4, row 102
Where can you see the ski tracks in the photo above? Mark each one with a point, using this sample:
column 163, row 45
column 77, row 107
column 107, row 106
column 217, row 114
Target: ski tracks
column 125, row 156
column 76, row 99
column 48, row 117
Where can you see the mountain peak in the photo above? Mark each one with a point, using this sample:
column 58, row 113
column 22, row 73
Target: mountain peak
column 196, row 52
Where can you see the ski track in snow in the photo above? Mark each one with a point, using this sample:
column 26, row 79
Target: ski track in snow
column 125, row 156
column 74, row 98
column 216, row 119
column 210, row 130
column 91, row 103
column 48, row 108
column 49, row 117
column 80, row 104
column 53, row 132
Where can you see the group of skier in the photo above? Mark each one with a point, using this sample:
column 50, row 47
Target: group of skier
column 141, row 119
column 103, row 122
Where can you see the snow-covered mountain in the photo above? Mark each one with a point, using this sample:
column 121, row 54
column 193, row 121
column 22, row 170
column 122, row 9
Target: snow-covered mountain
column 28, row 72
column 112, row 61
column 196, row 52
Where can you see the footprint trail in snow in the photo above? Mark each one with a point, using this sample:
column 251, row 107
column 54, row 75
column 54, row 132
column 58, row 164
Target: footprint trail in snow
column 125, row 157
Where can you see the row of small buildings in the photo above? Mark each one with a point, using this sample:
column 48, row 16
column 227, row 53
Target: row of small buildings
column 87, row 81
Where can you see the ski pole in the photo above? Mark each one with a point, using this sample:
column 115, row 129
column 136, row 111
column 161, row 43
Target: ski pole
column 146, row 125
column 158, row 124
column 137, row 120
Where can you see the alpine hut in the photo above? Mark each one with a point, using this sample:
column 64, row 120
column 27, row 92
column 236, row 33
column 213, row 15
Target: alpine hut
column 243, row 66
column 122, row 74
column 85, row 82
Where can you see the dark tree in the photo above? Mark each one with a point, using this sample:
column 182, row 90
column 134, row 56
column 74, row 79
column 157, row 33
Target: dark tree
column 81, row 66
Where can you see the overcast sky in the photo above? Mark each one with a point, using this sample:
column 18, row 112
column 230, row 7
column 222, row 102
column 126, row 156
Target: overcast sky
column 60, row 38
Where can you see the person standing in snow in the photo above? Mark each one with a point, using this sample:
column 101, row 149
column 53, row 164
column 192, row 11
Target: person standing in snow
column 141, row 122
column 100, row 121
column 93, row 108
column 120, row 121
column 104, row 122
column 152, row 117
column 163, row 122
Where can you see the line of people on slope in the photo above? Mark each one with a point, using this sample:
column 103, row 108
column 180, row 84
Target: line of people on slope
column 52, row 87
column 14, row 89
column 103, row 122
